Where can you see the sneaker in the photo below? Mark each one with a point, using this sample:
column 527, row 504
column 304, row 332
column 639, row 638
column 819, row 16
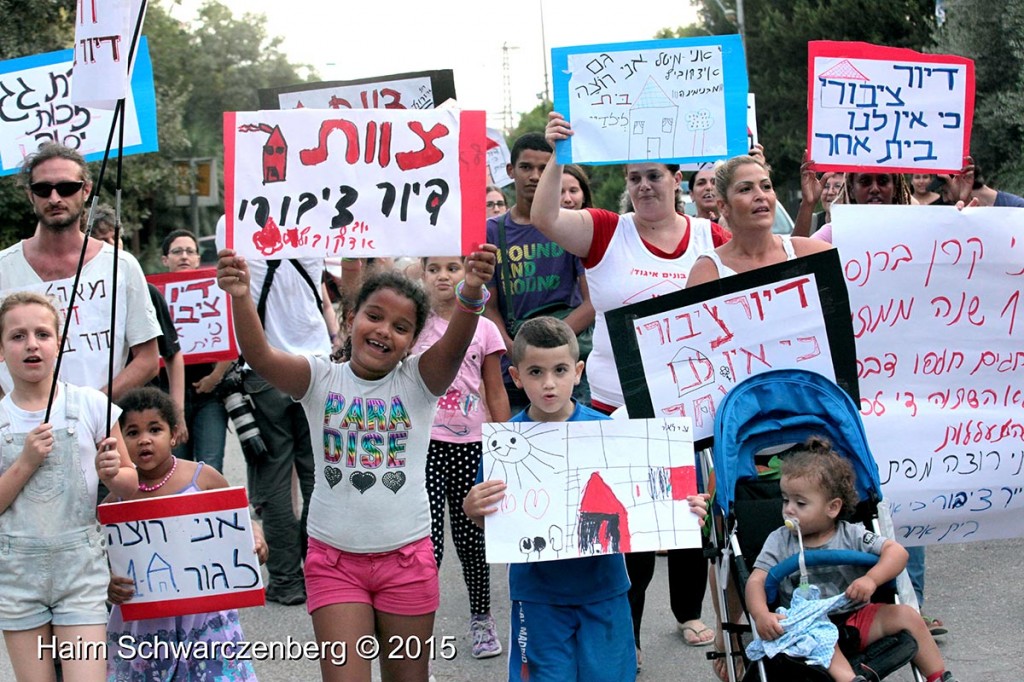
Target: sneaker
column 485, row 639
column 947, row 677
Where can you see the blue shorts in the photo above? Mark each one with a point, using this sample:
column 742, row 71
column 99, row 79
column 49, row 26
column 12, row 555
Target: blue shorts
column 592, row 642
column 53, row 580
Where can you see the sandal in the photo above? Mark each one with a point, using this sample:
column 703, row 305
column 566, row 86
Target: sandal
column 935, row 626
column 694, row 633
column 720, row 666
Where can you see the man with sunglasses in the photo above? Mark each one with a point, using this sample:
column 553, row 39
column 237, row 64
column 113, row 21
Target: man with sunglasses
column 57, row 185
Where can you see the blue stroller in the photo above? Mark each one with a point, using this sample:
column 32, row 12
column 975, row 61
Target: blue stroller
column 762, row 417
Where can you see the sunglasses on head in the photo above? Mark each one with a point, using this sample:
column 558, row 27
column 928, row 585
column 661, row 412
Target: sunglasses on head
column 65, row 189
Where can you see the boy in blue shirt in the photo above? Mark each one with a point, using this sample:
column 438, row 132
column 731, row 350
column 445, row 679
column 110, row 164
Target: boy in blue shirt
column 570, row 619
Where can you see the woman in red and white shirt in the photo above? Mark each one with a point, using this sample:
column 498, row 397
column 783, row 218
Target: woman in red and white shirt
column 629, row 258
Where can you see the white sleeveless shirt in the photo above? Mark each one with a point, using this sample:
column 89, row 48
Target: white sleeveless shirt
column 725, row 271
column 629, row 273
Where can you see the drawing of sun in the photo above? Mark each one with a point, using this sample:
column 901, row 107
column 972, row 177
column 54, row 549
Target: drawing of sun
column 512, row 450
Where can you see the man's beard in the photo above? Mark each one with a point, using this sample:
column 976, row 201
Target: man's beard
column 60, row 224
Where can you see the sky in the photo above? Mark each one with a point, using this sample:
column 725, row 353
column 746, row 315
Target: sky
column 360, row 39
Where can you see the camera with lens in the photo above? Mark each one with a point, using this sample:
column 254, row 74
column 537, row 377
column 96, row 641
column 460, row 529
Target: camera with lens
column 239, row 407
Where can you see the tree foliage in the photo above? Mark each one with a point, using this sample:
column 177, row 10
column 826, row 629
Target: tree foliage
column 992, row 34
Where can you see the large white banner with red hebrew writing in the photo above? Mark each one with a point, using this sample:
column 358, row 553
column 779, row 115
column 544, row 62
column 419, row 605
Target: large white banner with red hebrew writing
column 939, row 321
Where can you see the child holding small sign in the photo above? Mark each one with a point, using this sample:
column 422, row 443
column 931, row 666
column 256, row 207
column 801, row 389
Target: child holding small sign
column 149, row 420
column 52, row 558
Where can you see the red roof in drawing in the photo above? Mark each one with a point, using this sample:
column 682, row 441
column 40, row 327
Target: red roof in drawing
column 844, row 70
column 599, row 498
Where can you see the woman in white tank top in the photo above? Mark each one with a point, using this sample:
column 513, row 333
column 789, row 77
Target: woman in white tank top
column 747, row 200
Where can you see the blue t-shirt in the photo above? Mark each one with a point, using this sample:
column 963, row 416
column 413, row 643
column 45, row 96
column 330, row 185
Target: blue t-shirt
column 569, row 582
column 1007, row 199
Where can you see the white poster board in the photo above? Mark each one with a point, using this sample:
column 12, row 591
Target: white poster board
column 679, row 100
column 185, row 553
column 304, row 183
column 498, row 158
column 103, row 40
column 937, row 305
column 872, row 107
column 584, row 488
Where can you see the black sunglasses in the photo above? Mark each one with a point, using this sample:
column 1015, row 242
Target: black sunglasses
column 65, row 189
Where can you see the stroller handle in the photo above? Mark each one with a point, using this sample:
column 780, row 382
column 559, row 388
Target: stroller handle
column 824, row 557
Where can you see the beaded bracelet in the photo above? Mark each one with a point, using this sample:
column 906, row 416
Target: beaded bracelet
column 473, row 306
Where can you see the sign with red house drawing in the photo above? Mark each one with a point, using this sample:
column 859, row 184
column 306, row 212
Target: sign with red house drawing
column 577, row 489
column 354, row 182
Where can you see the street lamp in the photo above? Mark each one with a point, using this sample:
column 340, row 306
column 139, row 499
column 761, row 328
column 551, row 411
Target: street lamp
column 734, row 16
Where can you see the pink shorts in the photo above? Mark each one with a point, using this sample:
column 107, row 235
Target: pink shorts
column 402, row 581
column 862, row 619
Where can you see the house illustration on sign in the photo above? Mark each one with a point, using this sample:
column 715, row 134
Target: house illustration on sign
column 690, row 370
column 652, row 124
column 603, row 523
column 275, row 157
column 850, row 87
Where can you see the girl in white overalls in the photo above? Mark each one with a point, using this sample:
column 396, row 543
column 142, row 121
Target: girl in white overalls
column 53, row 569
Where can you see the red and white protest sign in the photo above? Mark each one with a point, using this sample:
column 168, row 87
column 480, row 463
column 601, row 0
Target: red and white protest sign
column 354, row 182
column 201, row 313
column 871, row 107
column 185, row 553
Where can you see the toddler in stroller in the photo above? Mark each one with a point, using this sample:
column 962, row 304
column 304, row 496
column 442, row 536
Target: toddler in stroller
column 817, row 495
column 772, row 415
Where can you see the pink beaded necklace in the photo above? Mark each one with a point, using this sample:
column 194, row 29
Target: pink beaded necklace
column 150, row 488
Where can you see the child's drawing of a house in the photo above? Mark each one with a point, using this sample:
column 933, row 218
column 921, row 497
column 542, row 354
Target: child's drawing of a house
column 652, row 124
column 603, row 526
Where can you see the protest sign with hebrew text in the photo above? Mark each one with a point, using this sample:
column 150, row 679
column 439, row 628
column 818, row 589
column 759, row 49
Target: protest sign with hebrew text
column 354, row 182
column 676, row 101
column 679, row 354
column 872, row 107
column 418, row 90
column 36, row 107
column 938, row 316
column 185, row 553
column 201, row 313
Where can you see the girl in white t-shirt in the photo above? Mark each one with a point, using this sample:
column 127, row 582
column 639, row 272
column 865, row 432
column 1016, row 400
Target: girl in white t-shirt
column 455, row 450
column 53, row 568
column 370, row 568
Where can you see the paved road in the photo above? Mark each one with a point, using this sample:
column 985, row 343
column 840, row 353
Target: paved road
column 975, row 588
